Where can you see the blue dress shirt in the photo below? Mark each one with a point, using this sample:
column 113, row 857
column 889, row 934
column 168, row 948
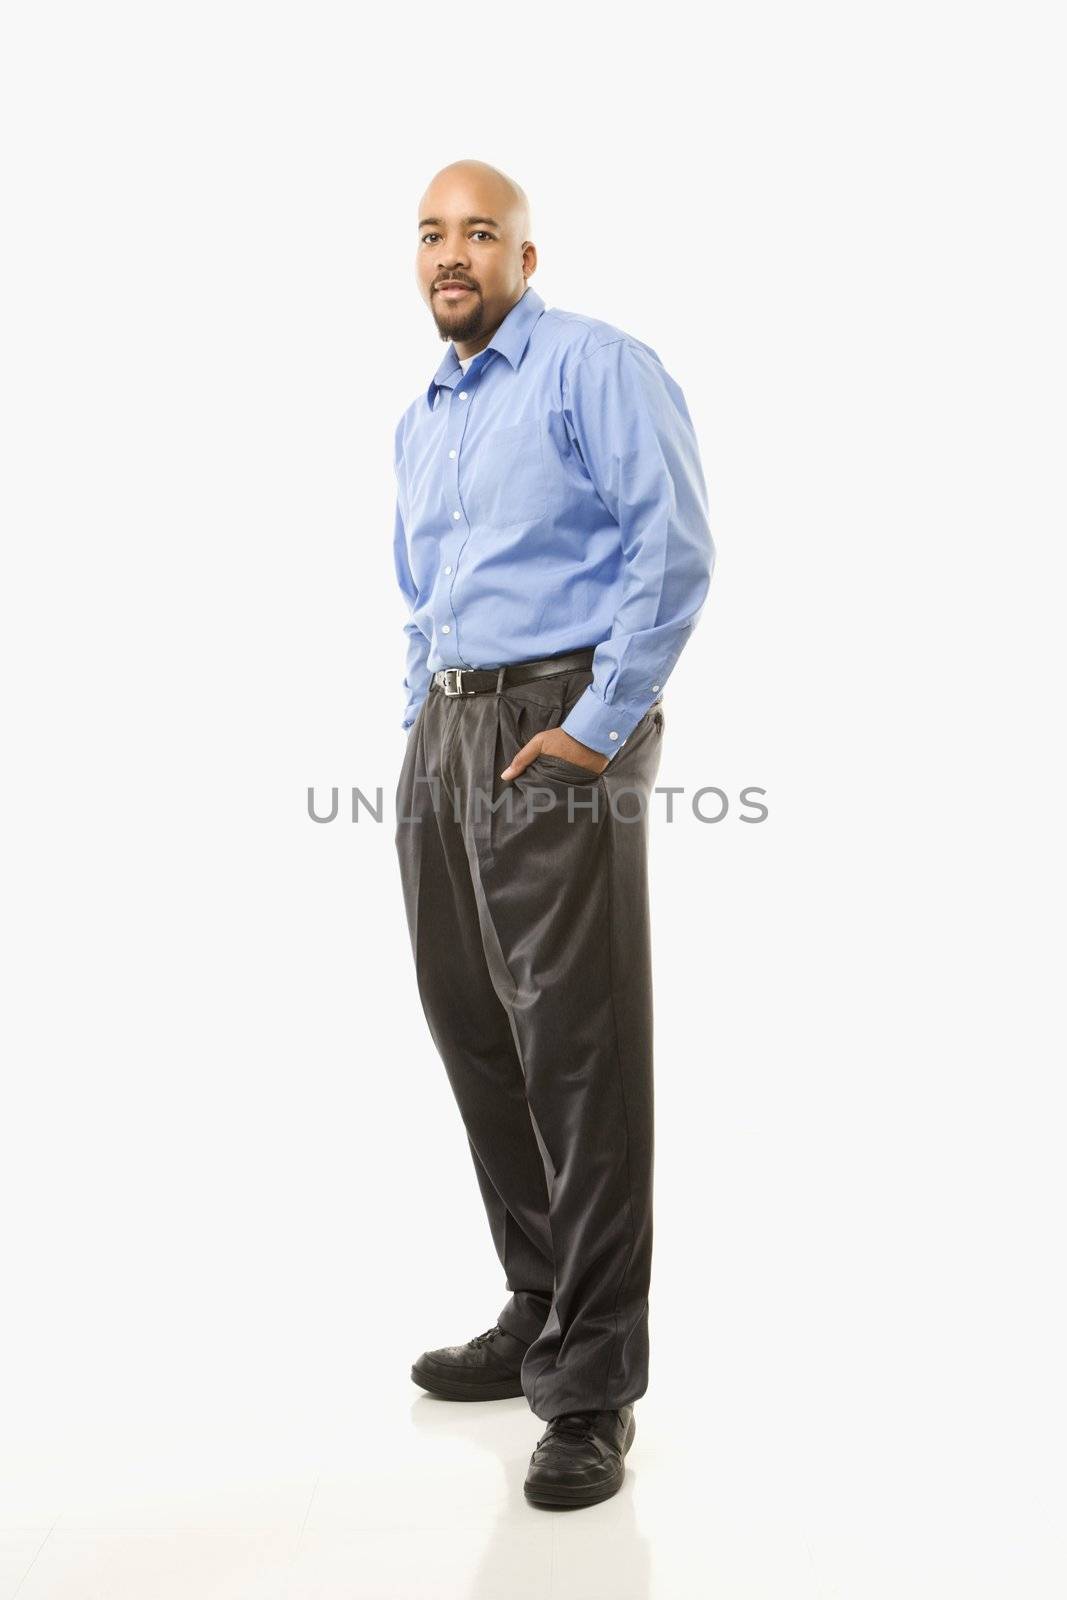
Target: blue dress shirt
column 551, row 497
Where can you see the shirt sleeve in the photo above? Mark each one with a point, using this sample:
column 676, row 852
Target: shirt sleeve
column 417, row 675
column 632, row 427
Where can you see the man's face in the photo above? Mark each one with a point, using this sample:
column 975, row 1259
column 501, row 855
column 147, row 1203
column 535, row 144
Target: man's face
column 469, row 260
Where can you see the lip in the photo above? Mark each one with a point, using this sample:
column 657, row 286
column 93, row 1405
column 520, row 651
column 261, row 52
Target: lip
column 453, row 290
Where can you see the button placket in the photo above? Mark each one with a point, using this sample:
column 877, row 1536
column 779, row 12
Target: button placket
column 459, row 410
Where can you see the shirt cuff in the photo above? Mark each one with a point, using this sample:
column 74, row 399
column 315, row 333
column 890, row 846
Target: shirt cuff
column 602, row 727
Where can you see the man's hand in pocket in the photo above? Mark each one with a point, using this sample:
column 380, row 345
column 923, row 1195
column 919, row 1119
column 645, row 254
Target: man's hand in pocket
column 555, row 742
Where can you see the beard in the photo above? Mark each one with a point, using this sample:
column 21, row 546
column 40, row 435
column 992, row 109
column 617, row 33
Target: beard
column 459, row 325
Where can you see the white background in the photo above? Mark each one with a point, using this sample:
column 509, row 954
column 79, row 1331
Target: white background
column 236, row 1195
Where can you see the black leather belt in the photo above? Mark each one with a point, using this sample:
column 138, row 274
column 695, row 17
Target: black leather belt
column 490, row 680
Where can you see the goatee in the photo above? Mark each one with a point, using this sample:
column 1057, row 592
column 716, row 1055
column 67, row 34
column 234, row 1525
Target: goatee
column 467, row 327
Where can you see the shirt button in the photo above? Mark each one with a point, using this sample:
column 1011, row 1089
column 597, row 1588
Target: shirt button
column 447, row 628
column 448, row 569
column 455, row 516
column 613, row 734
column 451, row 455
column 463, row 394
column 655, row 686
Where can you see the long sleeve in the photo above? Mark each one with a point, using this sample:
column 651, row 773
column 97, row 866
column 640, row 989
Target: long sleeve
column 417, row 675
column 635, row 436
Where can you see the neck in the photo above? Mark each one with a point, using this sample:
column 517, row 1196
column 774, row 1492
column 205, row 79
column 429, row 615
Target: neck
column 471, row 347
column 465, row 350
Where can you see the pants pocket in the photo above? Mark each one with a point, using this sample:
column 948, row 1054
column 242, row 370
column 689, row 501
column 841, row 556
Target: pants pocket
column 565, row 771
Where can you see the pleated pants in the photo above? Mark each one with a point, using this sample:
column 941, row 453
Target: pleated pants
column 527, row 906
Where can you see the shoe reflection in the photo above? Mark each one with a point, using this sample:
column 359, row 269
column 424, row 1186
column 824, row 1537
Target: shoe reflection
column 518, row 1548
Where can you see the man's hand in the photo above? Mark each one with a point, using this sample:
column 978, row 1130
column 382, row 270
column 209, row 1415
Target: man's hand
column 555, row 742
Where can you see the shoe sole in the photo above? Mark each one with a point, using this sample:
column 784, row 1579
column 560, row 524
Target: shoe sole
column 560, row 1495
column 456, row 1389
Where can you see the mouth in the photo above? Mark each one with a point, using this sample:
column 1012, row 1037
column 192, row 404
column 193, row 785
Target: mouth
column 453, row 291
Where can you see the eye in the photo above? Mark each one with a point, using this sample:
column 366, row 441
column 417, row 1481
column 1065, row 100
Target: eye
column 428, row 236
column 483, row 233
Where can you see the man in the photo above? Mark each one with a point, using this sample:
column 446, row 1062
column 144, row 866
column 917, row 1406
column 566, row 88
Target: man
column 552, row 544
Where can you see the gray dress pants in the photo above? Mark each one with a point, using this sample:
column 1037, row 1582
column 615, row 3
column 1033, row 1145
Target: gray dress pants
column 527, row 905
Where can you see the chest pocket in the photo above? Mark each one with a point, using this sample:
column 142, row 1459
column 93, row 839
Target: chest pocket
column 508, row 484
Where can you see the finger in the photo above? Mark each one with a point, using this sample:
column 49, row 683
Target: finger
column 521, row 759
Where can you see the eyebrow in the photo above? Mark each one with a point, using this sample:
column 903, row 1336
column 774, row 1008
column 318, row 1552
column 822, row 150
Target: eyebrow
column 436, row 222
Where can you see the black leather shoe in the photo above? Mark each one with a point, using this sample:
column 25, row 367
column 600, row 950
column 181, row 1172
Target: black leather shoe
column 578, row 1459
column 485, row 1368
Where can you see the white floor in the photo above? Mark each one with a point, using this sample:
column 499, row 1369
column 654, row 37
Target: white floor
column 398, row 1496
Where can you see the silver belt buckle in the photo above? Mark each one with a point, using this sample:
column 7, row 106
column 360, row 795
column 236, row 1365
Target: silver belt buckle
column 453, row 675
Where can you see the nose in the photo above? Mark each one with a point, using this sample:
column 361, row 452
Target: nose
column 452, row 263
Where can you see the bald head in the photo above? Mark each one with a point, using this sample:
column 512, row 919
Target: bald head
column 506, row 199
column 474, row 232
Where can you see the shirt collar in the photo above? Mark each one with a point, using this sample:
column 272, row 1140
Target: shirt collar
column 511, row 339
